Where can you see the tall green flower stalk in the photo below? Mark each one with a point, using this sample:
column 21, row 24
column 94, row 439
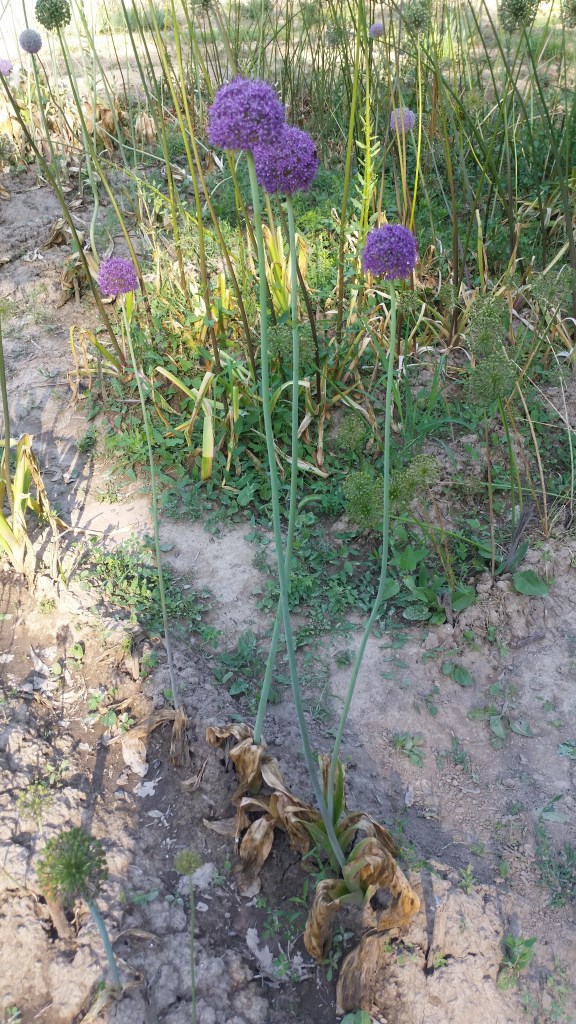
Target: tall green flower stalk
column 275, row 501
column 267, row 683
column 389, row 252
column 118, row 277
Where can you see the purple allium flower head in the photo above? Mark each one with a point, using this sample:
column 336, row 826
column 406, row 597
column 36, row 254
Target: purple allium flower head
column 30, row 40
column 287, row 165
column 6, row 67
column 117, row 276
column 376, row 30
column 390, row 252
column 402, row 120
column 246, row 112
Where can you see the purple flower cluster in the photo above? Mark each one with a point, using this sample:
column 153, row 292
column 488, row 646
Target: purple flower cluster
column 287, row 165
column 376, row 30
column 30, row 40
column 6, row 67
column 117, row 276
column 402, row 120
column 246, row 112
column 390, row 252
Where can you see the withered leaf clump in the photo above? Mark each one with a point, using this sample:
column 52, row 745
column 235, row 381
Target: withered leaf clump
column 370, row 866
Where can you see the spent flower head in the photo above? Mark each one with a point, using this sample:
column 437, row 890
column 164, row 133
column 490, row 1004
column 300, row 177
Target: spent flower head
column 246, row 112
column 364, row 499
column 351, row 435
column 487, row 324
column 280, row 344
column 492, row 379
column 515, row 14
column 568, row 12
column 73, row 866
column 53, row 14
column 390, row 252
column 417, row 17
column 187, row 862
column 30, row 40
column 376, row 30
column 117, row 276
column 287, row 165
column 402, row 120
column 6, row 67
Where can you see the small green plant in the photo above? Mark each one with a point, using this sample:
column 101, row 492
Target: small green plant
column 242, row 668
column 518, row 955
column 186, row 863
column 411, row 745
column 499, row 717
column 467, row 880
column 46, row 605
column 72, row 867
column 439, row 961
column 54, row 774
column 12, row 1015
column 34, row 801
column 557, row 867
column 88, row 441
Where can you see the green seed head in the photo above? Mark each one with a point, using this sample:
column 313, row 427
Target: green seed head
column 417, row 17
column 72, row 867
column 186, row 862
column 351, row 433
column 487, row 324
column 280, row 345
column 494, row 378
column 554, row 291
column 53, row 14
column 364, row 500
column 515, row 14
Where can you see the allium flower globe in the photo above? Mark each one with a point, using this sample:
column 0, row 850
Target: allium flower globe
column 390, row 252
column 117, row 276
column 246, row 112
column 53, row 14
column 6, row 67
column 287, row 165
column 376, row 30
column 402, row 120
column 30, row 40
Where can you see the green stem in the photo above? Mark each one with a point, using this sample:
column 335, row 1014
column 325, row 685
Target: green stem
column 192, row 953
column 274, row 488
column 384, row 558
column 265, row 691
column 103, row 933
column 6, row 414
column 177, row 699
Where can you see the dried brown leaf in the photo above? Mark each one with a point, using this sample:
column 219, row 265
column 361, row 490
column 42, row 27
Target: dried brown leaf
column 360, row 975
column 318, row 931
column 254, row 851
column 179, row 750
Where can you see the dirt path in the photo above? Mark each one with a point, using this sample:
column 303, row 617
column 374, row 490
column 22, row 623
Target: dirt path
column 467, row 810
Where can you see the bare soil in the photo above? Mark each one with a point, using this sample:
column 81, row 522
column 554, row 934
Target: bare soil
column 471, row 808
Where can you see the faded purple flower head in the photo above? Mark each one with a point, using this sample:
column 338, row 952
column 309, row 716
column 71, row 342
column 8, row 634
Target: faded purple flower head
column 402, row 120
column 30, row 40
column 390, row 252
column 117, row 276
column 376, row 30
column 6, row 67
column 245, row 113
column 287, row 165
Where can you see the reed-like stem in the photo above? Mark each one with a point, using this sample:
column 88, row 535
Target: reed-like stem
column 265, row 691
column 275, row 498
column 103, row 933
column 177, row 699
column 383, row 559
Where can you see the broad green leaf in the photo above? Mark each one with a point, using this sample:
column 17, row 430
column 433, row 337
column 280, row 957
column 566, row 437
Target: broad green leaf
column 462, row 676
column 391, row 588
column 521, row 728
column 416, row 613
column 497, row 728
column 567, row 749
column 462, row 597
column 530, row 584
